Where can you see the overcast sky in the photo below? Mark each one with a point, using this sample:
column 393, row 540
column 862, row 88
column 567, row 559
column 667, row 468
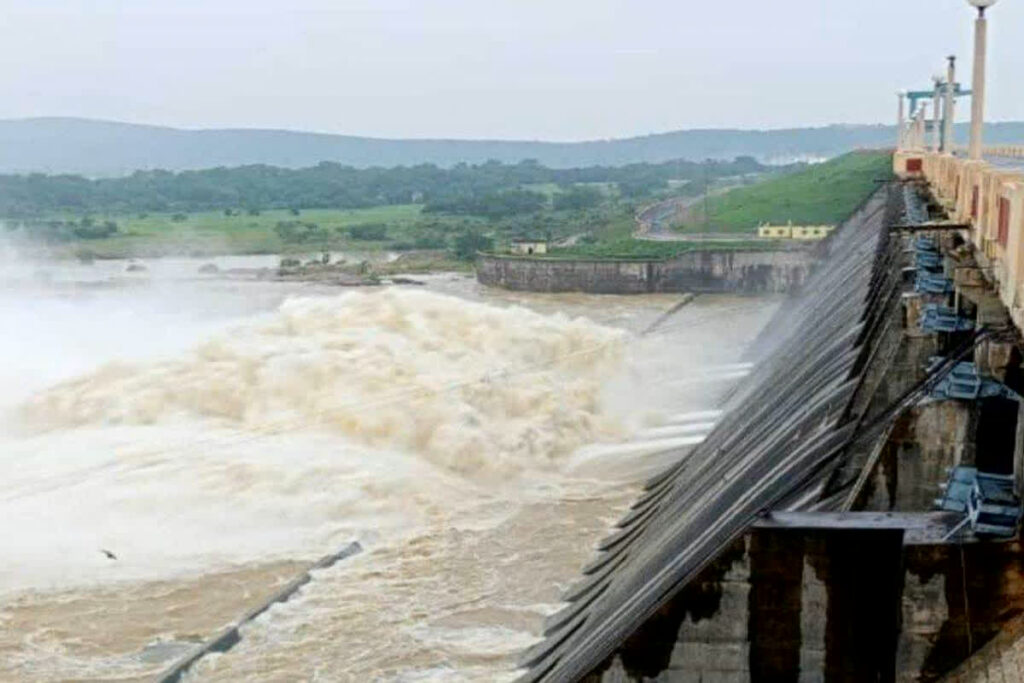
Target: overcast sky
column 532, row 69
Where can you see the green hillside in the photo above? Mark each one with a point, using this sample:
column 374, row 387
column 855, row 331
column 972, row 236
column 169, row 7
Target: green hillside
column 823, row 193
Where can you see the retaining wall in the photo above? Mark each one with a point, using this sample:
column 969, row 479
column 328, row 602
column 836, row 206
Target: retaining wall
column 746, row 272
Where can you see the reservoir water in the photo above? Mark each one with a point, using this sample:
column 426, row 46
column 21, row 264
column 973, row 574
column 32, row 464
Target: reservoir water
column 174, row 447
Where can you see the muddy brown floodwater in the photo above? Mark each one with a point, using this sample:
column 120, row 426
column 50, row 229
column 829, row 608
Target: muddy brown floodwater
column 218, row 436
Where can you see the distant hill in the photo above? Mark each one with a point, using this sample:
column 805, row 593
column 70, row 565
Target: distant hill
column 105, row 148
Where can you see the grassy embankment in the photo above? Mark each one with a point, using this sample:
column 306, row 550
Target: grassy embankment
column 615, row 240
column 822, row 194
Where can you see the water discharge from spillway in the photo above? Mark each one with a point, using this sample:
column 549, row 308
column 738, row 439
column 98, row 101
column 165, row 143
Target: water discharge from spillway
column 477, row 444
column 471, row 387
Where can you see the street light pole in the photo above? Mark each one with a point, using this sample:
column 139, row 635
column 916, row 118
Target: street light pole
column 922, row 117
column 936, row 118
column 899, row 122
column 978, row 77
column 947, row 107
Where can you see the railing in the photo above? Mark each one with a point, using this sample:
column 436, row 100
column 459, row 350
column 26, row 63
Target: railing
column 988, row 198
column 1000, row 151
column 1004, row 151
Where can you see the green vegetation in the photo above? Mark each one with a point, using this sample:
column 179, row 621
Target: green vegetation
column 300, row 232
column 258, row 209
column 649, row 249
column 491, row 189
column 499, row 204
column 213, row 232
column 820, row 194
column 446, row 213
column 85, row 228
column 469, row 243
column 579, row 198
column 370, row 232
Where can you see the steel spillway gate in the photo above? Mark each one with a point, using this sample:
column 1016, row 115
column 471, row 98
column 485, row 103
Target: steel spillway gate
column 782, row 432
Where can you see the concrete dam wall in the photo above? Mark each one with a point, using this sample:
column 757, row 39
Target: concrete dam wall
column 741, row 271
column 801, row 541
column 748, row 559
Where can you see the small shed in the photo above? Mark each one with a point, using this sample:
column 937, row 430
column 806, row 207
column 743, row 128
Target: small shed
column 528, row 246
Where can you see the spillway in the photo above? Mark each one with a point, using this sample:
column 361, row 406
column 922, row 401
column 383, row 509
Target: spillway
column 781, row 435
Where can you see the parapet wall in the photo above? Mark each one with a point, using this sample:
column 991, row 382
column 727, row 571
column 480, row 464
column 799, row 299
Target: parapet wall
column 989, row 201
column 740, row 271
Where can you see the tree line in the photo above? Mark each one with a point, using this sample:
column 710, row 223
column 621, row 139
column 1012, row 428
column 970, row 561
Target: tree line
column 491, row 189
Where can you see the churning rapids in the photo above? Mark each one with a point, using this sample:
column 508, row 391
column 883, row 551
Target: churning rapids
column 174, row 448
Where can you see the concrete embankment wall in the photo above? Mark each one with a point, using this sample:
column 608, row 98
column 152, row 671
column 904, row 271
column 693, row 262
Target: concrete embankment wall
column 747, row 272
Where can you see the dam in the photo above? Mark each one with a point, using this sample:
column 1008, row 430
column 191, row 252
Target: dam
column 749, row 460
column 840, row 522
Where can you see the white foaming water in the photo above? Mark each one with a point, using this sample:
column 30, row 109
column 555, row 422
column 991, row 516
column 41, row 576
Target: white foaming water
column 296, row 431
column 696, row 416
column 444, row 434
column 470, row 386
column 675, row 430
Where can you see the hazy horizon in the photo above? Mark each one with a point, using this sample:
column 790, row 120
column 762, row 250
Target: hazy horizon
column 197, row 128
column 452, row 69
